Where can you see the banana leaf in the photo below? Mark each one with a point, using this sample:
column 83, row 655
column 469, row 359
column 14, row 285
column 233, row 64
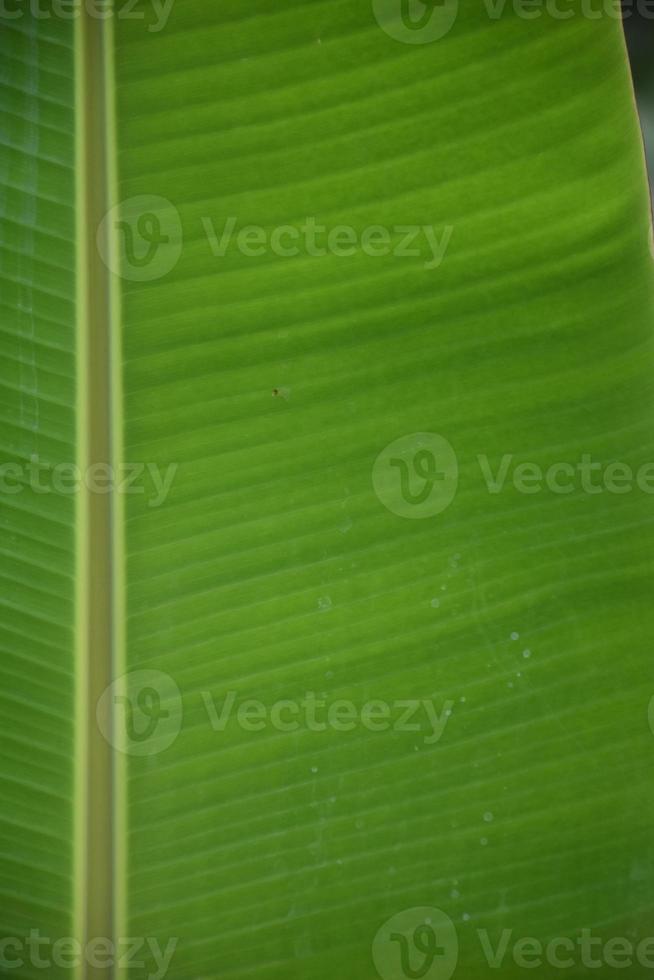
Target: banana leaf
column 341, row 665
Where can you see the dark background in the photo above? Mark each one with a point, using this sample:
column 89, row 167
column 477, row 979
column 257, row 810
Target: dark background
column 640, row 38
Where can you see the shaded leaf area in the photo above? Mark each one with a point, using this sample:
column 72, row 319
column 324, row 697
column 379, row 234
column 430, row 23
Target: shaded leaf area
column 37, row 536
